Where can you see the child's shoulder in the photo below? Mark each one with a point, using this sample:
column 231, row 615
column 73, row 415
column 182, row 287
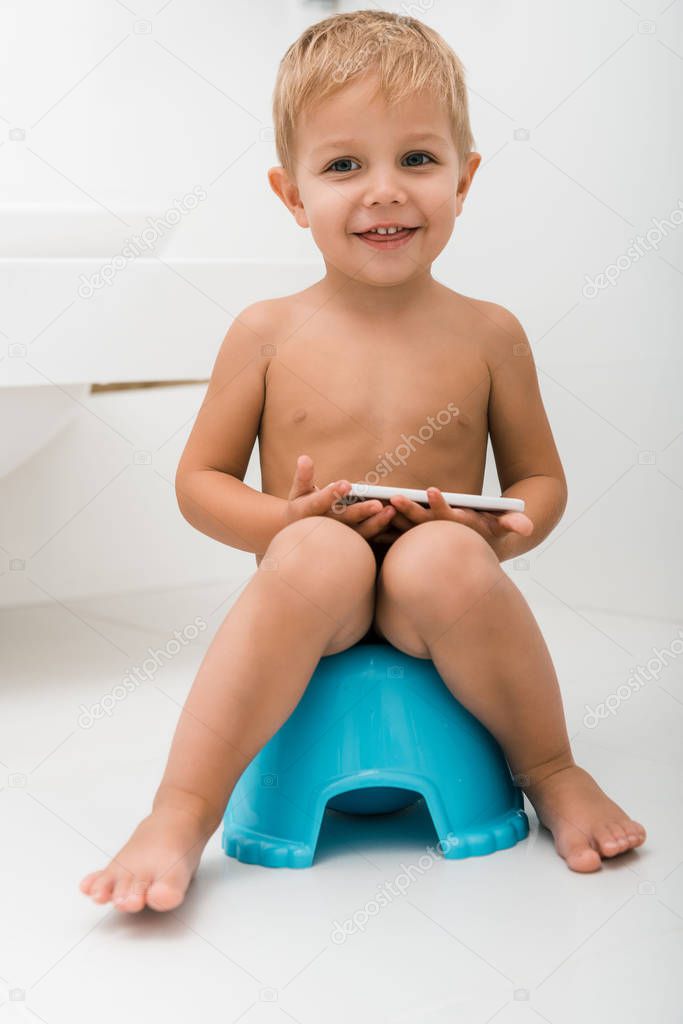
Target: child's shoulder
column 493, row 327
column 498, row 318
column 269, row 314
column 253, row 331
column 258, row 314
column 489, row 319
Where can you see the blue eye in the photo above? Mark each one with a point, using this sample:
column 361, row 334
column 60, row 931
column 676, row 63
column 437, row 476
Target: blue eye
column 350, row 160
column 342, row 160
column 419, row 154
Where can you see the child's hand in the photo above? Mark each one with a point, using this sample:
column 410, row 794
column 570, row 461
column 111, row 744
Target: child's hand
column 490, row 525
column 368, row 518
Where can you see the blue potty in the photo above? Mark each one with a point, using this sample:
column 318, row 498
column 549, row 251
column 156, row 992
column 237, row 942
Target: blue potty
column 375, row 731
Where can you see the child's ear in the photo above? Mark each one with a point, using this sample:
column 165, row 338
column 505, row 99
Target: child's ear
column 288, row 191
column 471, row 164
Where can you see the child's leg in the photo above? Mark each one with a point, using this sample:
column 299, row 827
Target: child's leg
column 312, row 595
column 443, row 595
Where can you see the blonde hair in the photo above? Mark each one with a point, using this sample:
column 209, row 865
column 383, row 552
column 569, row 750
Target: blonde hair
column 408, row 56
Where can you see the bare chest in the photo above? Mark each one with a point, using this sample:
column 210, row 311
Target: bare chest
column 417, row 404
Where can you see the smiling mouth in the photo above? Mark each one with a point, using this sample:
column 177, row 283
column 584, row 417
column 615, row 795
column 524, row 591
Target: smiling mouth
column 393, row 241
column 385, row 238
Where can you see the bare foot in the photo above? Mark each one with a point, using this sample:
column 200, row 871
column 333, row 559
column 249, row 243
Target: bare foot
column 156, row 865
column 586, row 825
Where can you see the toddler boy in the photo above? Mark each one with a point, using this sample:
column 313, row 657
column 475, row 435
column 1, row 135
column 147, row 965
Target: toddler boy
column 377, row 156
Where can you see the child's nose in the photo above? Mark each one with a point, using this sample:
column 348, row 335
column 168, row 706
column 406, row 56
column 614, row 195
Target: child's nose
column 383, row 187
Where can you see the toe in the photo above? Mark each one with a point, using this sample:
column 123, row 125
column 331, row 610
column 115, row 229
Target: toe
column 635, row 833
column 582, row 857
column 120, row 892
column 622, row 838
column 133, row 897
column 102, row 888
column 608, row 840
column 85, row 884
column 619, row 837
column 164, row 895
column 576, row 849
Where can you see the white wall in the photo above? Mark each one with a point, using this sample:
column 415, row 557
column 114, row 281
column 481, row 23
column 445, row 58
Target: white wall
column 575, row 108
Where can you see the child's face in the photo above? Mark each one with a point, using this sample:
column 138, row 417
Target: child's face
column 374, row 173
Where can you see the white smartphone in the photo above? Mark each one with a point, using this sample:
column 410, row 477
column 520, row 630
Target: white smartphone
column 363, row 492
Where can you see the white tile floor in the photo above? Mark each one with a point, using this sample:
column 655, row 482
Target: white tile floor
column 510, row 937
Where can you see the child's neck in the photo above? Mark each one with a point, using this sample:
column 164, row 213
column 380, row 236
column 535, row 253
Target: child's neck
column 341, row 292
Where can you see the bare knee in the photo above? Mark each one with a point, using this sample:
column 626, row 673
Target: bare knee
column 322, row 547
column 437, row 562
column 334, row 568
column 432, row 575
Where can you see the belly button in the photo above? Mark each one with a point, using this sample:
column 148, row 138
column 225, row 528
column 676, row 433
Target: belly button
column 299, row 415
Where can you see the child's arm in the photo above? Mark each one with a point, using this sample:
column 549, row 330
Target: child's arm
column 527, row 459
column 208, row 482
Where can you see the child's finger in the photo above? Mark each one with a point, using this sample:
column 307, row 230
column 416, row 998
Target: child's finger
column 466, row 516
column 319, row 502
column 303, row 477
column 376, row 523
column 438, row 504
column 358, row 511
column 401, row 522
column 518, row 522
column 410, row 509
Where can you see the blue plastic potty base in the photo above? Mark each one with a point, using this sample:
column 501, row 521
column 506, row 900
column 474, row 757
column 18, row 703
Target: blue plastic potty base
column 375, row 731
